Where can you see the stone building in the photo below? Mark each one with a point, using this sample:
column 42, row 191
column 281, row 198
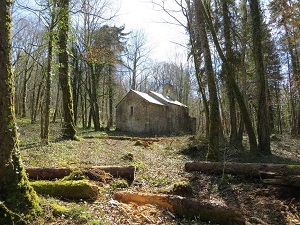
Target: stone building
column 154, row 113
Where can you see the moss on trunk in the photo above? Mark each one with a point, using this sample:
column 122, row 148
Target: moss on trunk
column 18, row 200
column 69, row 130
column 214, row 114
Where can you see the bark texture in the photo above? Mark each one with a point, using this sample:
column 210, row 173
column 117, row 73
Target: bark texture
column 45, row 116
column 50, row 173
column 214, row 114
column 16, row 195
column 215, row 212
column 263, row 126
column 249, row 169
column 237, row 93
column 69, row 130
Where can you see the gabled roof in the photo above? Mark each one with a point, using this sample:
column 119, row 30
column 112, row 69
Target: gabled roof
column 156, row 98
column 167, row 99
column 148, row 98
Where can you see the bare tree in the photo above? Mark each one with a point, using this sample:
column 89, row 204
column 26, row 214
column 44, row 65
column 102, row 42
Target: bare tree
column 137, row 55
column 91, row 16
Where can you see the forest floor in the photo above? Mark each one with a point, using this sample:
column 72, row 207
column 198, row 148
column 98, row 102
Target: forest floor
column 160, row 165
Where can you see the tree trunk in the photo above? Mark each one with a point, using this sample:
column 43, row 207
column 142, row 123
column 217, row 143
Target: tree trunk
column 94, row 98
column 195, row 48
column 32, row 105
column 27, row 74
column 24, row 94
column 263, row 128
column 229, row 56
column 57, row 106
column 215, row 212
column 237, row 92
column 69, row 130
column 249, row 169
column 16, row 195
column 110, row 95
column 214, row 115
column 45, row 120
column 36, row 101
column 76, row 84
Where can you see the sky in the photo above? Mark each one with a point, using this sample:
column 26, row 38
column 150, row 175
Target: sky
column 143, row 15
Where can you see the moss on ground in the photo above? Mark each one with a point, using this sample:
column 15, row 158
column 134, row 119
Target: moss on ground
column 296, row 167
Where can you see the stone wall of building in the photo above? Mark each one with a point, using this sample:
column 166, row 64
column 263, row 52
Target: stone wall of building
column 135, row 114
column 180, row 120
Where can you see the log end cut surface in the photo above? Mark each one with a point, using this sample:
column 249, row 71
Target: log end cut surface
column 215, row 212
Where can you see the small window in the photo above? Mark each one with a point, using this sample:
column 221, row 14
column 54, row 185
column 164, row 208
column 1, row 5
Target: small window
column 131, row 111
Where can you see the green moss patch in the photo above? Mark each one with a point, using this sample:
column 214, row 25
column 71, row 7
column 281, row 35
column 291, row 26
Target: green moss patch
column 296, row 167
column 58, row 210
column 78, row 189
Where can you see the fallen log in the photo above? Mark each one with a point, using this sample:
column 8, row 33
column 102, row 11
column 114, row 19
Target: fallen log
column 249, row 169
column 79, row 189
column 126, row 138
column 51, row 173
column 47, row 173
column 287, row 180
column 215, row 212
column 118, row 171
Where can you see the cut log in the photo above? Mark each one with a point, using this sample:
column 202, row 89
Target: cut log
column 47, row 173
column 126, row 172
column 215, row 212
column 126, row 138
column 51, row 173
column 79, row 189
column 249, row 169
column 292, row 180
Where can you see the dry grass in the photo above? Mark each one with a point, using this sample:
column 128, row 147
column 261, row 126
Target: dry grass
column 159, row 164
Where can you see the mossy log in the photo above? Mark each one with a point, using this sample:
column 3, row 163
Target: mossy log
column 249, row 169
column 77, row 189
column 215, row 212
column 51, row 173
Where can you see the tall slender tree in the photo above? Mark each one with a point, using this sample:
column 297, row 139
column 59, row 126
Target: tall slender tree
column 69, row 130
column 17, row 197
column 214, row 114
column 230, row 59
column 45, row 115
column 196, row 53
column 263, row 126
column 233, row 84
